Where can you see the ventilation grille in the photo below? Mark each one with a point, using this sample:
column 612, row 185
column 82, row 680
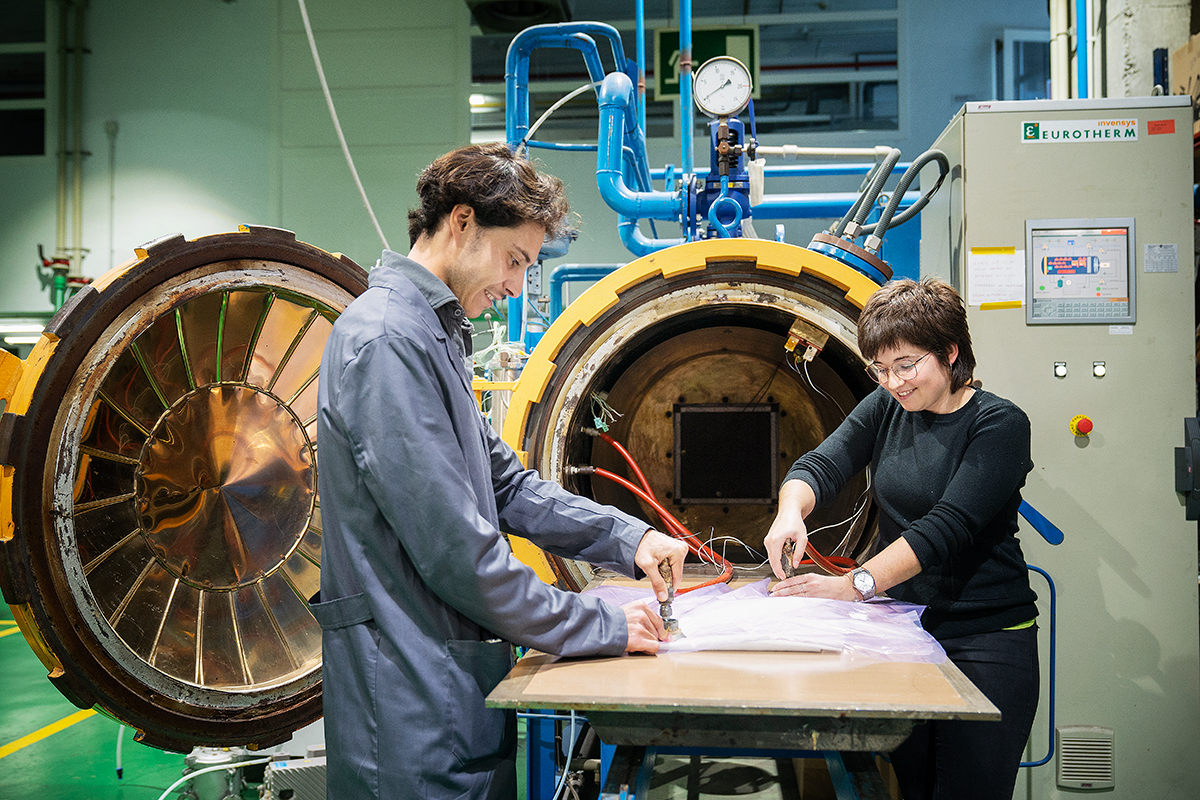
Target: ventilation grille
column 1085, row 758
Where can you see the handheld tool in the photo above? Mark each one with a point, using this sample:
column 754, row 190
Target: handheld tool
column 664, row 609
column 785, row 559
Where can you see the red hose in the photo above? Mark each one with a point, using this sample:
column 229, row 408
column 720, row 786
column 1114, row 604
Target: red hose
column 672, row 524
column 645, row 484
column 834, row 565
column 829, row 564
column 675, row 528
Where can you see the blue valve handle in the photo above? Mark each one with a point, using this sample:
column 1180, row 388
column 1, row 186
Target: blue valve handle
column 725, row 231
column 1045, row 527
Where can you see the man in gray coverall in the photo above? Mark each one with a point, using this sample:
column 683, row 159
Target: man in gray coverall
column 420, row 593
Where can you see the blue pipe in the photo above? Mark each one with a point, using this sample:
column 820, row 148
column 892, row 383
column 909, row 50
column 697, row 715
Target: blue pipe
column 514, row 317
column 633, row 157
column 641, row 62
column 617, row 116
column 686, row 111
column 798, row 170
column 563, row 274
column 637, row 242
column 628, row 228
column 516, row 72
column 578, row 36
column 1083, row 27
column 1053, row 664
column 641, row 178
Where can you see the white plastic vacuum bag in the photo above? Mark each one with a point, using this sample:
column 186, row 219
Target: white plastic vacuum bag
column 748, row 618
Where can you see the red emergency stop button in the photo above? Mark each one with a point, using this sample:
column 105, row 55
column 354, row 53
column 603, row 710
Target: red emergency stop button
column 1081, row 425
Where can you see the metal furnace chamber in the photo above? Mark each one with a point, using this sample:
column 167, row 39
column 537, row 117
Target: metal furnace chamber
column 687, row 346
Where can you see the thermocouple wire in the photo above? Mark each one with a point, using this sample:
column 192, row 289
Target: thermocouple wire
column 829, row 565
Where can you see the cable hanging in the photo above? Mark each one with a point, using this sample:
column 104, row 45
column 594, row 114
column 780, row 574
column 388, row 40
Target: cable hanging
column 337, row 125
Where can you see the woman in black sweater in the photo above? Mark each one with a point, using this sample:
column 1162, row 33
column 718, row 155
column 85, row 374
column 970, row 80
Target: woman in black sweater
column 948, row 462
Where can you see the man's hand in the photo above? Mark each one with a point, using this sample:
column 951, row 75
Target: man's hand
column 654, row 549
column 645, row 628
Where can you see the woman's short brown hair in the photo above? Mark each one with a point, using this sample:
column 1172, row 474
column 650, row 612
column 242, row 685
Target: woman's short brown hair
column 928, row 314
column 503, row 188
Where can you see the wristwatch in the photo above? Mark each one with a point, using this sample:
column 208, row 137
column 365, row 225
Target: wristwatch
column 863, row 583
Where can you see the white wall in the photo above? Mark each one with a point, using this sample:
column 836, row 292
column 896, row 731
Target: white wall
column 1136, row 28
column 399, row 73
column 221, row 122
column 187, row 85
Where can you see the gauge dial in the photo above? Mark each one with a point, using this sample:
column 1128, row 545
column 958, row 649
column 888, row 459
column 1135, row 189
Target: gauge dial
column 722, row 86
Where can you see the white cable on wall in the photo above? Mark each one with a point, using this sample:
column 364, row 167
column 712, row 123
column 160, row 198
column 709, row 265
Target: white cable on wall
column 337, row 126
column 533, row 128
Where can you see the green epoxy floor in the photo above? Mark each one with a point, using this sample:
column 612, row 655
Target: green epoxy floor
column 77, row 763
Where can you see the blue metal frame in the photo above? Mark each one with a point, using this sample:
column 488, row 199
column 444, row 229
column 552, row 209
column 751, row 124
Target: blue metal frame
column 1053, row 666
column 617, row 767
column 539, row 753
column 1052, row 534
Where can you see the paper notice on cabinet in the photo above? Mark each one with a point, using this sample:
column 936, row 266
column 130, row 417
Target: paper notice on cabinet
column 995, row 275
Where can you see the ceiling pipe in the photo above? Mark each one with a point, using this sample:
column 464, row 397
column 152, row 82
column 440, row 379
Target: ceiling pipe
column 60, row 236
column 1060, row 50
column 77, row 148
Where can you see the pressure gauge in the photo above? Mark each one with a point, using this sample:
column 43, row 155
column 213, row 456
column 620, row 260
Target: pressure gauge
column 722, row 86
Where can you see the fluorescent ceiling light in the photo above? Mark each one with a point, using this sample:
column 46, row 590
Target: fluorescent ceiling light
column 485, row 103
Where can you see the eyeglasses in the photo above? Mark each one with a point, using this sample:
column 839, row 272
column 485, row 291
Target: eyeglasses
column 902, row 371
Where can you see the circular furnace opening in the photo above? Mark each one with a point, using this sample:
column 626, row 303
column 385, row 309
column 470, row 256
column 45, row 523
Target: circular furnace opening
column 167, row 522
column 690, row 373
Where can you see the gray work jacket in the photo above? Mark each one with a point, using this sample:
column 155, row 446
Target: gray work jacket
column 420, row 592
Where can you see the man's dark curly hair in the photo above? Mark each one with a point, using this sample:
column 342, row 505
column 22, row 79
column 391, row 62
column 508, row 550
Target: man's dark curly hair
column 928, row 314
column 503, row 188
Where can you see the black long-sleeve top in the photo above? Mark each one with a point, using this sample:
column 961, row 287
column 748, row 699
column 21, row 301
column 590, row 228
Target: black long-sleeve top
column 950, row 485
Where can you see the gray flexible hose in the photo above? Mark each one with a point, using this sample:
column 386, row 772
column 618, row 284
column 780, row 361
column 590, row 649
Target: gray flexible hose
column 876, row 179
column 868, row 200
column 840, row 226
column 885, row 220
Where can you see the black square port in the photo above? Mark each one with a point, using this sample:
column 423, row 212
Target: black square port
column 726, row 453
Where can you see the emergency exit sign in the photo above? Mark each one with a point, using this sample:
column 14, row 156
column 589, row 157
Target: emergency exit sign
column 739, row 41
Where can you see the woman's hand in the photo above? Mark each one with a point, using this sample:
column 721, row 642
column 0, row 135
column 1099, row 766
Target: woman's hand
column 796, row 500
column 788, row 527
column 832, row 587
